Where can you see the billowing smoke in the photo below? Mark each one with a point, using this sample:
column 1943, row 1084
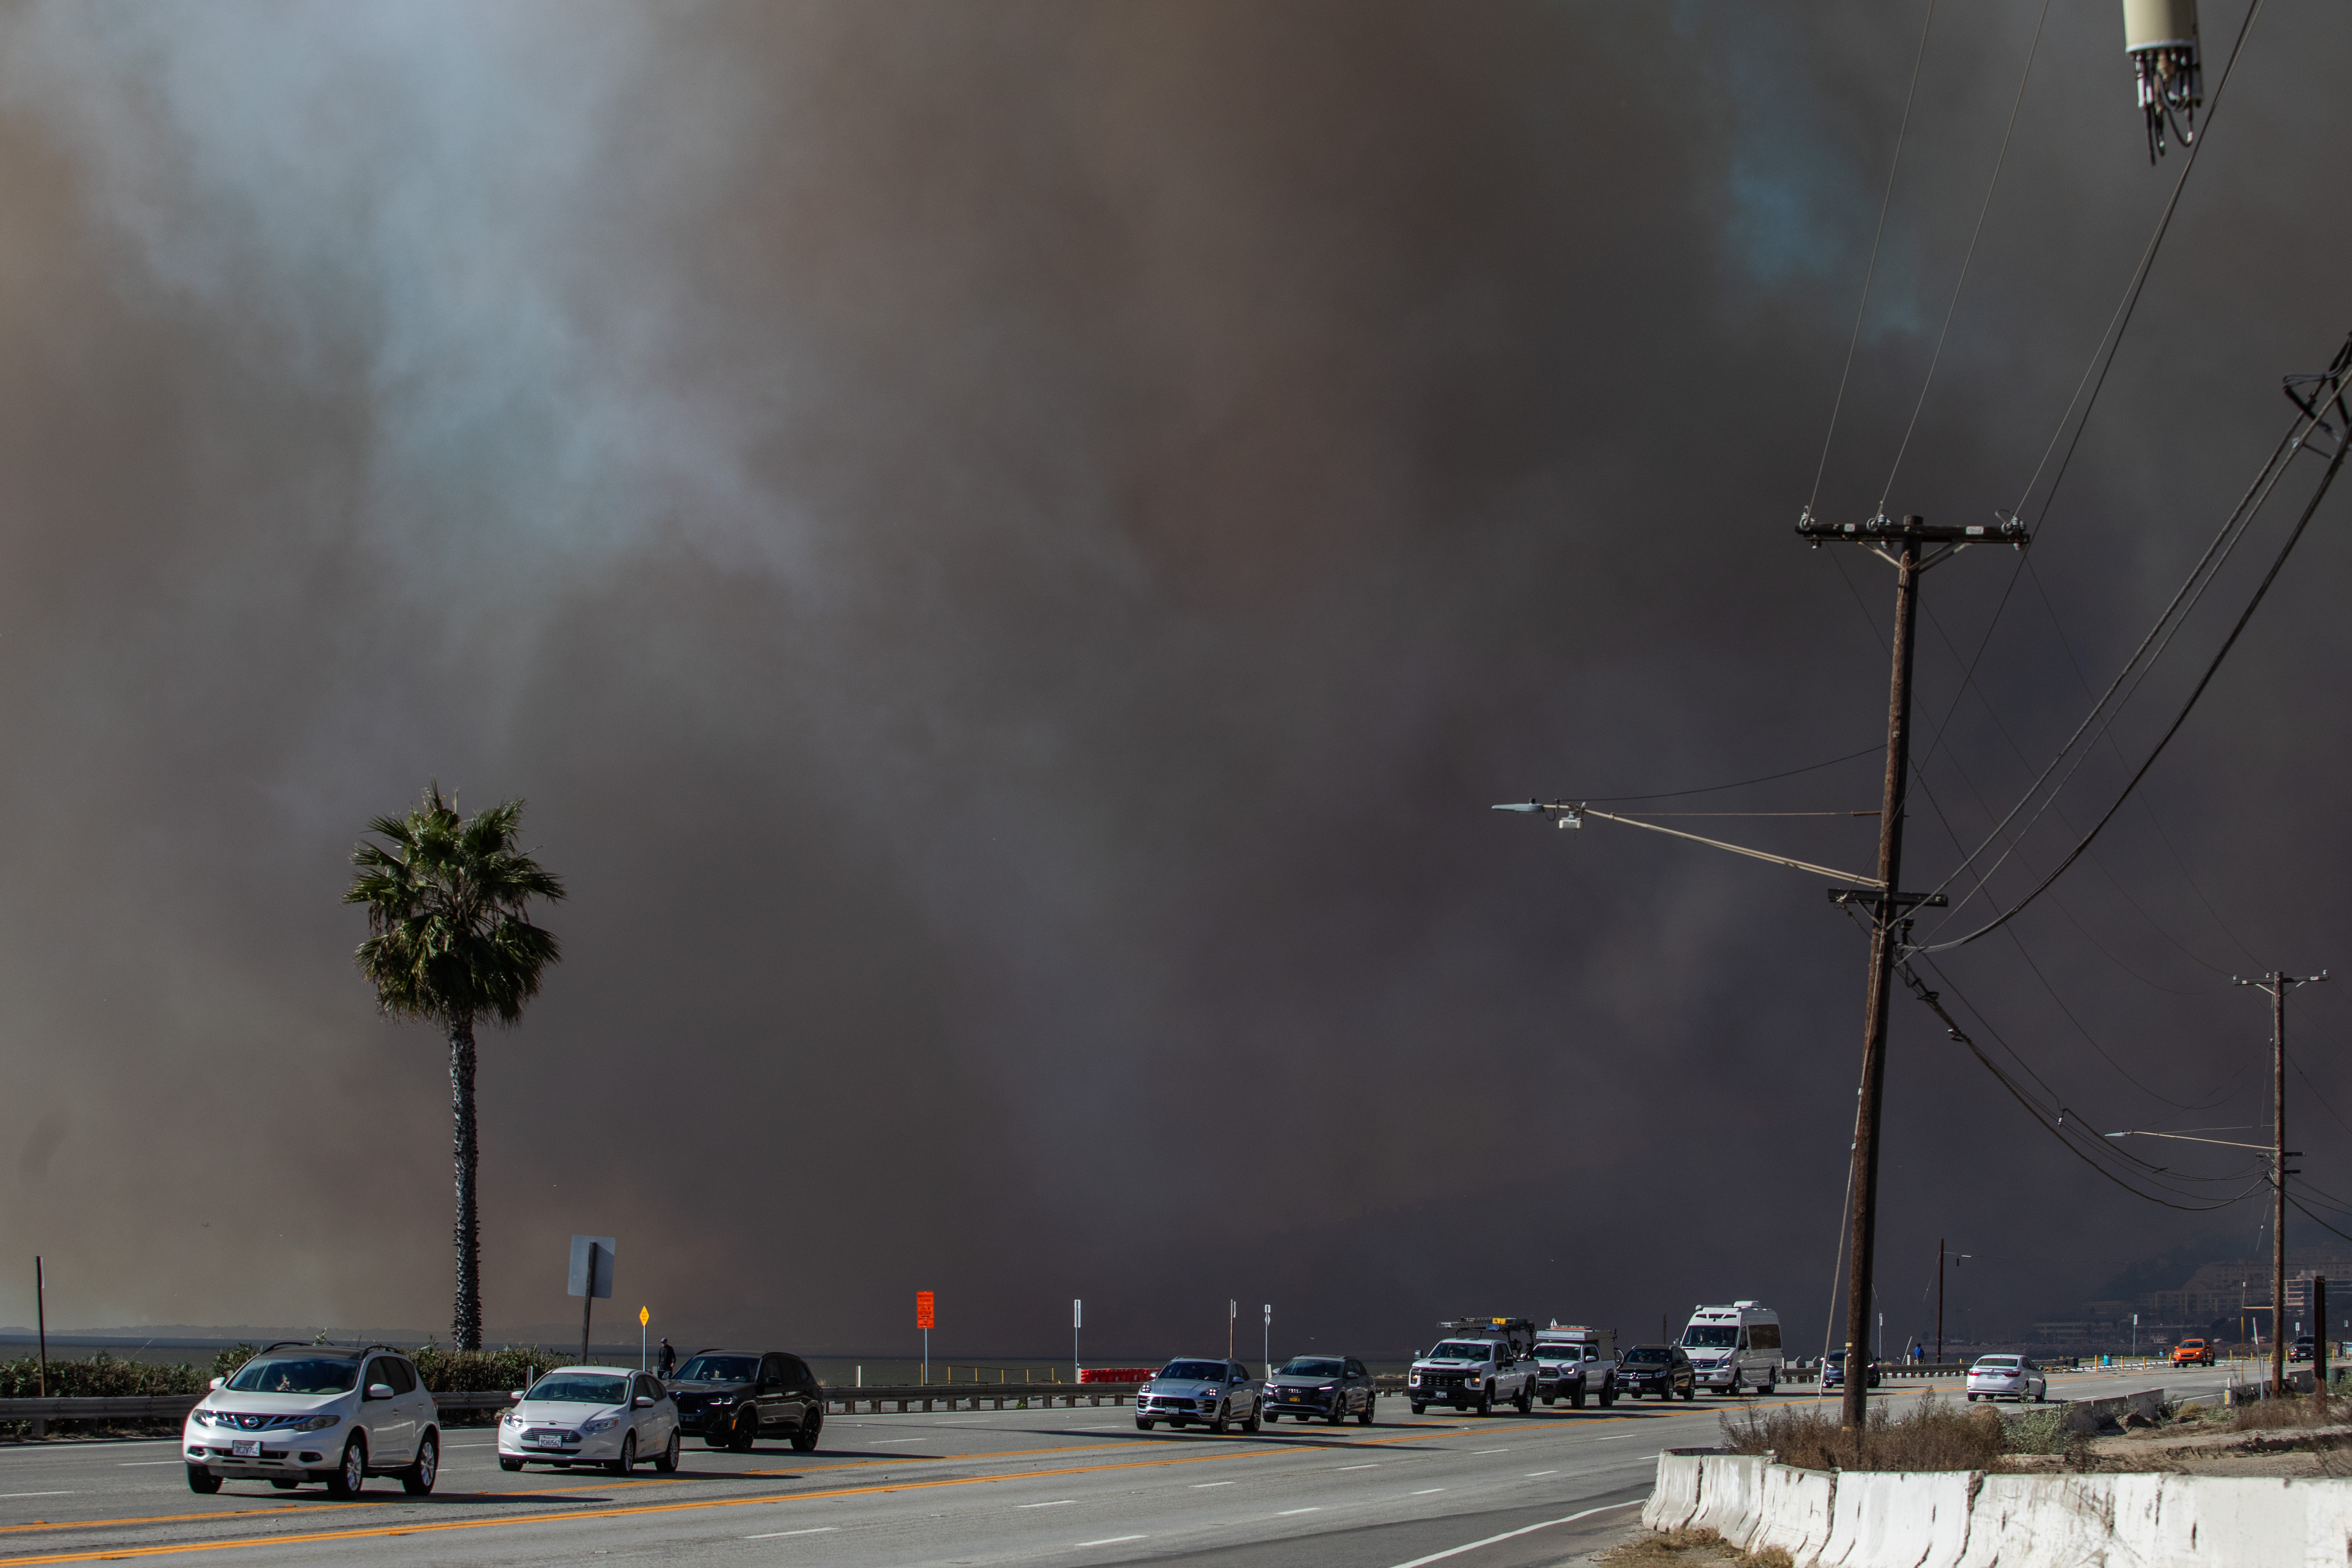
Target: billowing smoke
column 1010, row 550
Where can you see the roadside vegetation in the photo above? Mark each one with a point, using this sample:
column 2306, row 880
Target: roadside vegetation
column 1934, row 1435
column 1690, row 1548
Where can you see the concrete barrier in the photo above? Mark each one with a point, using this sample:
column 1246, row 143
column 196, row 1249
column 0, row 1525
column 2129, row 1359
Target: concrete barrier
column 1731, row 1494
column 1674, row 1497
column 1795, row 1511
column 1864, row 1518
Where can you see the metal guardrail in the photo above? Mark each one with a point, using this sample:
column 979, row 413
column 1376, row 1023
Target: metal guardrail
column 127, row 1408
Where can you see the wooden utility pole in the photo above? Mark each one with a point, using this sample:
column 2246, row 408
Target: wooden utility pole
column 2278, row 982
column 1939, row 1302
column 1898, row 544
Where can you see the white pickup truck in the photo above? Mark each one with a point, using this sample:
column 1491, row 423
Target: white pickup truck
column 1483, row 1363
column 1576, row 1363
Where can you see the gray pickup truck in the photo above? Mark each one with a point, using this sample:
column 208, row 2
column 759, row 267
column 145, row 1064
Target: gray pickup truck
column 1576, row 1365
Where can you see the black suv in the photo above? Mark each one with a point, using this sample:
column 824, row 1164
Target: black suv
column 1334, row 1387
column 1662, row 1369
column 731, row 1398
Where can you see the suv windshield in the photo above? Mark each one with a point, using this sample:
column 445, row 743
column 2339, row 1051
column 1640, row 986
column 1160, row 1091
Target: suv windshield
column 1647, row 1355
column 297, row 1374
column 574, row 1388
column 1462, row 1349
column 1313, row 1366
column 1195, row 1371
column 719, row 1369
column 1711, row 1336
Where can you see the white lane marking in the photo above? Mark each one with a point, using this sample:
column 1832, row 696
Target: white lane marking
column 137, row 1464
column 1475, row 1452
column 886, row 1442
column 1524, row 1530
column 1114, row 1539
column 1531, row 1474
column 1204, row 1486
column 1286, row 1513
column 779, row 1534
column 37, row 1494
column 1343, row 1467
column 1059, row 1502
column 1425, row 1491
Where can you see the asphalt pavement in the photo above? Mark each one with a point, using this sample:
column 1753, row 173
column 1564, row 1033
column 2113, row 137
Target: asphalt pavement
column 1077, row 1486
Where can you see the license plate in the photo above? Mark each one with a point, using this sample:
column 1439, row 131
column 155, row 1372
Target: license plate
column 245, row 1447
column 547, row 1440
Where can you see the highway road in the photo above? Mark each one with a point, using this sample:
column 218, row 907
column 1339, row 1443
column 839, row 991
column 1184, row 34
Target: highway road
column 1066, row 1487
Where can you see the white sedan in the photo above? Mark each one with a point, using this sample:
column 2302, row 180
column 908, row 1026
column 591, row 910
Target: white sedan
column 609, row 1416
column 2007, row 1377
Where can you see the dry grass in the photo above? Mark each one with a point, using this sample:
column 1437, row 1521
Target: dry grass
column 1690, row 1548
column 2294, row 1410
column 1934, row 1435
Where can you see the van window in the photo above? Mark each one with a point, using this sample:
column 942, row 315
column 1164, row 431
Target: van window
column 1764, row 1337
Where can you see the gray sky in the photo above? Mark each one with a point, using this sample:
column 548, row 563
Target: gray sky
column 1009, row 550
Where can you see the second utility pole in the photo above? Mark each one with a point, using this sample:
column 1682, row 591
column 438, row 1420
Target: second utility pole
column 1886, row 905
column 2278, row 982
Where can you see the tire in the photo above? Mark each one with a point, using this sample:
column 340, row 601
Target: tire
column 744, row 1433
column 628, row 1459
column 1274, row 1414
column 1142, row 1423
column 418, row 1479
column 1338, row 1411
column 667, row 1461
column 1576, row 1400
column 202, row 1481
column 1608, row 1395
column 509, row 1464
column 1256, row 1417
column 1486, row 1400
column 1769, row 1389
column 1225, row 1416
column 718, row 1439
column 1527, row 1399
column 351, row 1471
column 812, row 1427
column 1690, row 1391
column 1419, row 1409
column 1364, row 1417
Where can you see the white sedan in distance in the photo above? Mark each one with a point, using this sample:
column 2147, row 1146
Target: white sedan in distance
column 2007, row 1377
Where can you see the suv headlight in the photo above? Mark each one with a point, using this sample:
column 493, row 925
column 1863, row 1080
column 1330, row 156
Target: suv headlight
column 719, row 1399
column 605, row 1425
column 319, row 1422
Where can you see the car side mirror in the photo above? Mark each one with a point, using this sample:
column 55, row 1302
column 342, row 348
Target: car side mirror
column 641, row 1402
column 515, row 1396
column 220, row 1383
column 379, row 1391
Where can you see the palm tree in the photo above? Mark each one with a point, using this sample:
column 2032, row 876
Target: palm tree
column 449, row 939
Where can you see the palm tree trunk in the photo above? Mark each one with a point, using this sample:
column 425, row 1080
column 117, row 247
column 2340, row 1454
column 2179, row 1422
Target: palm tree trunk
column 465, row 1329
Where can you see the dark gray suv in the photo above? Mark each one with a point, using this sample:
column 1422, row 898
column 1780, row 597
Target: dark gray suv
column 1333, row 1387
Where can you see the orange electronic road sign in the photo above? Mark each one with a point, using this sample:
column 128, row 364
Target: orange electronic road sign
column 923, row 1309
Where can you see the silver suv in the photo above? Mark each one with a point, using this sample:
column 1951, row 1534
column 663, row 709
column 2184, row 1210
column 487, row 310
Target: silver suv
column 1214, row 1392
column 299, row 1413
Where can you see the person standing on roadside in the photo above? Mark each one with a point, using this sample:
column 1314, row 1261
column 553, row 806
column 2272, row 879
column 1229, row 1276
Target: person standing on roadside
column 668, row 1359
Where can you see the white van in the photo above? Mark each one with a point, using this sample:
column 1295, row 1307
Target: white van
column 1735, row 1347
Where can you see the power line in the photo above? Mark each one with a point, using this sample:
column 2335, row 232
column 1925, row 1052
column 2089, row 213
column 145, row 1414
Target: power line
column 1967, row 257
column 1862, row 305
column 1743, row 783
column 2337, row 374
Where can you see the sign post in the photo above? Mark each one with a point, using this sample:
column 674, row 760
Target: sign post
column 592, row 1275
column 1077, row 1316
column 645, row 1316
column 1269, row 1340
column 925, row 1314
column 1233, row 1316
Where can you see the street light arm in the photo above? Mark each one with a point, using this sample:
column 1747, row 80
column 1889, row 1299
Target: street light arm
column 1573, row 815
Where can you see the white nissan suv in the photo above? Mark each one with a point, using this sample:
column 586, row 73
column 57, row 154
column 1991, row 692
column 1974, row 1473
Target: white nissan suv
column 299, row 1413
